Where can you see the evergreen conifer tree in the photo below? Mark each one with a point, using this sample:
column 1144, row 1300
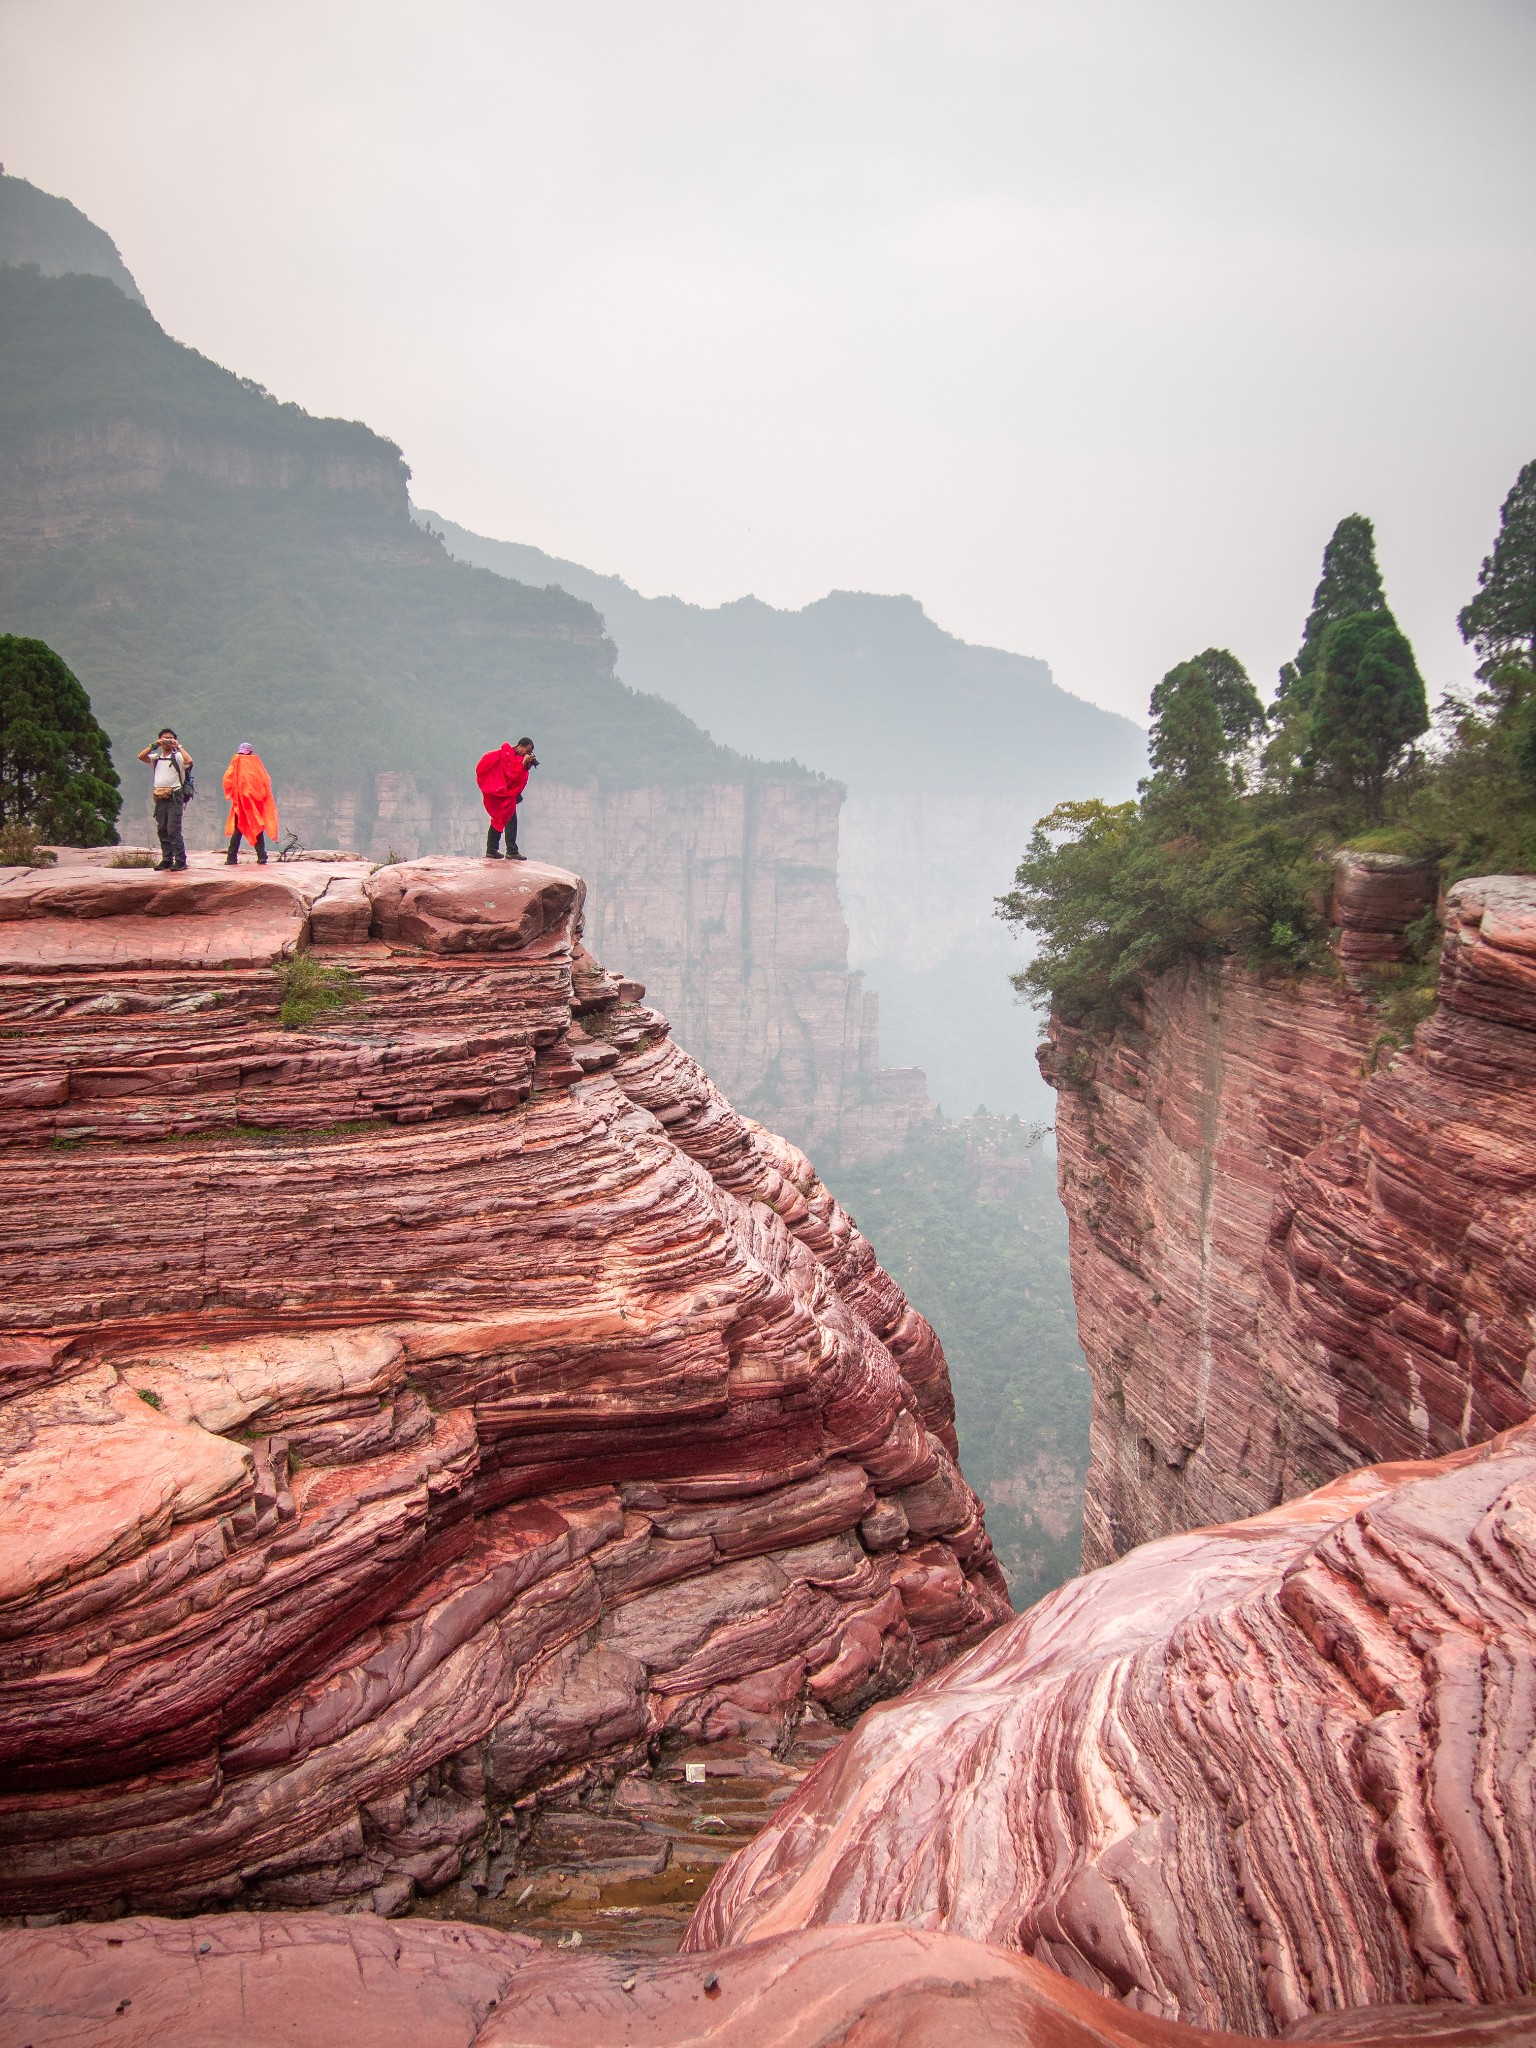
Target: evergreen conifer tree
column 1237, row 702
column 1500, row 622
column 1524, row 722
column 56, row 773
column 1350, row 583
column 1190, row 789
column 1368, row 705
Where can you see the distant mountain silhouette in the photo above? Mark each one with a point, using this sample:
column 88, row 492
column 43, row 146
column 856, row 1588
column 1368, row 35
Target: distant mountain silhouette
column 949, row 753
column 862, row 687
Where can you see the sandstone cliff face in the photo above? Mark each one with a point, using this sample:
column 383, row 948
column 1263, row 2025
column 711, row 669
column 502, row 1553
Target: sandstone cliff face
column 1287, row 1264
column 412, row 1420
column 721, row 897
column 1244, row 1777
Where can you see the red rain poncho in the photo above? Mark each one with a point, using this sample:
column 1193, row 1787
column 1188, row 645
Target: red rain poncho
column 252, row 806
column 503, row 776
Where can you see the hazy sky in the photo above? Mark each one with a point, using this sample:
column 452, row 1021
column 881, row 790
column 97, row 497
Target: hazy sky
column 1083, row 323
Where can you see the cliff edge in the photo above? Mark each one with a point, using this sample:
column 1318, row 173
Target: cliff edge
column 415, row 1420
column 1296, row 1249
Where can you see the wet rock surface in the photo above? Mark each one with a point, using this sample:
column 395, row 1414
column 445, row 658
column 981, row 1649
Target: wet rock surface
column 421, row 1423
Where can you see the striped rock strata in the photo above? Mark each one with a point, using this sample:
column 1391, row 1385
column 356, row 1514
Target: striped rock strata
column 415, row 1418
column 290, row 1981
column 1244, row 1777
column 1287, row 1264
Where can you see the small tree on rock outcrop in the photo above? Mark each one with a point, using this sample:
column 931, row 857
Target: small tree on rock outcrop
column 56, row 773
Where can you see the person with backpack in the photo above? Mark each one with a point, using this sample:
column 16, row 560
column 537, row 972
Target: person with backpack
column 503, row 776
column 252, row 806
column 172, row 791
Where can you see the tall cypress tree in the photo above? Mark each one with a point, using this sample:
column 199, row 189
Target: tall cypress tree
column 1237, row 703
column 1369, row 705
column 1500, row 622
column 56, row 772
column 1350, row 583
column 1349, row 586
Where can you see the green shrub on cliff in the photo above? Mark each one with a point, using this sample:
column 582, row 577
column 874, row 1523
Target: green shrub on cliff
column 1225, row 853
column 310, row 989
column 1115, row 904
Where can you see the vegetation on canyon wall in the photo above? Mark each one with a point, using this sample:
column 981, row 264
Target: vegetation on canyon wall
column 967, row 1222
column 1221, row 854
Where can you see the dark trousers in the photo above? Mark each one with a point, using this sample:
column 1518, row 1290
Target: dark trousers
column 493, row 839
column 168, row 810
column 259, row 842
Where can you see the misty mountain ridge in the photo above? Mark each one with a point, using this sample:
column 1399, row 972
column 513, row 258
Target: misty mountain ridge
column 40, row 228
column 863, row 687
column 185, row 541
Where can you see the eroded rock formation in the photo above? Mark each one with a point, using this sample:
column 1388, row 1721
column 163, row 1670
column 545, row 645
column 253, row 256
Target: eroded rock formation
column 1243, row 1777
column 722, row 897
column 414, row 1417
column 290, row 1981
column 1292, row 1252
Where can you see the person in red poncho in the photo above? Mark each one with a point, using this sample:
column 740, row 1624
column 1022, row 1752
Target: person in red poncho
column 252, row 806
column 503, row 776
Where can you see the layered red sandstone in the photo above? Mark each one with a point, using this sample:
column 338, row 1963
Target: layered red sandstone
column 721, row 897
column 1293, row 1252
column 414, row 1419
column 292, row 1981
column 1246, row 1776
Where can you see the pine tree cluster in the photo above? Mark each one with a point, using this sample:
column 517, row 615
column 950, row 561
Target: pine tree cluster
column 1224, row 851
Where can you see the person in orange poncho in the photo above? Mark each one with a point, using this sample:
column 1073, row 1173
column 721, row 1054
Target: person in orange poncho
column 503, row 776
column 252, row 806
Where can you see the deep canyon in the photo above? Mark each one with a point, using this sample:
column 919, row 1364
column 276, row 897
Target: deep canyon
column 465, row 1477
column 429, row 1428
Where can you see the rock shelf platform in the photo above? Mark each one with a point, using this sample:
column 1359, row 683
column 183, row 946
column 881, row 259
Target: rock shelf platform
column 421, row 1425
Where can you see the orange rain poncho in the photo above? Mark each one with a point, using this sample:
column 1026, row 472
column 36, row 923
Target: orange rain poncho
column 252, row 806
